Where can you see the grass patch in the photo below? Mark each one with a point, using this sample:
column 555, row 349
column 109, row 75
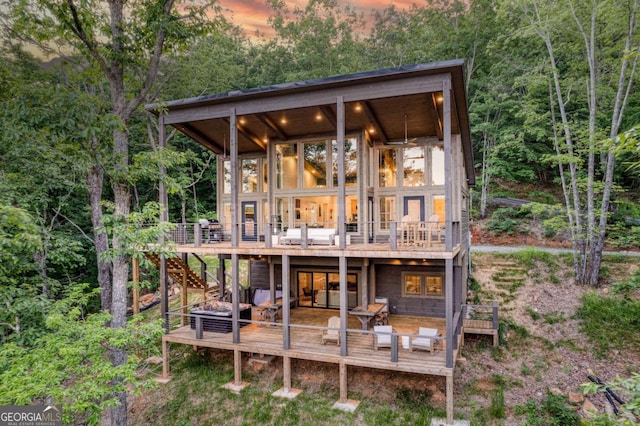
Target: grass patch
column 496, row 408
column 610, row 322
column 554, row 317
column 533, row 313
column 553, row 410
column 509, row 330
column 530, row 256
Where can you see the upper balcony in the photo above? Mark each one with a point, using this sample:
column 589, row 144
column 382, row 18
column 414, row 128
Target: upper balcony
column 407, row 239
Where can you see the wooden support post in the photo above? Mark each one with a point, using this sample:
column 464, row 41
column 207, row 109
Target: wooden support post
column 286, row 330
column 343, row 384
column 237, row 367
column 235, row 297
column 165, row 363
column 344, row 403
column 136, row 285
column 286, row 373
column 184, row 299
column 237, row 384
column 344, row 321
column 450, row 399
column 286, row 391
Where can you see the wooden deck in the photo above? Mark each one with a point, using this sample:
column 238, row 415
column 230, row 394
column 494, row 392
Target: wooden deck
column 306, row 343
column 371, row 250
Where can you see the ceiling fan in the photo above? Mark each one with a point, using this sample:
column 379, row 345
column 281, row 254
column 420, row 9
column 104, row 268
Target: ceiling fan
column 406, row 141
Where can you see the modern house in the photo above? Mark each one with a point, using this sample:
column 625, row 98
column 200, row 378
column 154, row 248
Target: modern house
column 349, row 197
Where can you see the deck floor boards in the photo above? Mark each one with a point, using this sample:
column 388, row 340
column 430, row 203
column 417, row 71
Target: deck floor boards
column 306, row 343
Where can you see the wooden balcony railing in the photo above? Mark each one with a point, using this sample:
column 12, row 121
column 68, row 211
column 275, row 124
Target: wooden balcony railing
column 398, row 235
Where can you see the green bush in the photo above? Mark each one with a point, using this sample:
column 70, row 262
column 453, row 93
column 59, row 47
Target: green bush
column 551, row 411
column 623, row 236
column 502, row 221
column 610, row 322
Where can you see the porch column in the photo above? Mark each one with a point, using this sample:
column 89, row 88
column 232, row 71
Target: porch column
column 184, row 295
column 342, row 211
column 448, row 301
column 286, row 332
column 233, row 141
column 272, row 282
column 222, row 277
column 235, row 297
column 164, row 217
column 448, row 169
column 364, row 283
column 342, row 267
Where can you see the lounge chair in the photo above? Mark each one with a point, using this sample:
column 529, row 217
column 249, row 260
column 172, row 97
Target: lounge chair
column 333, row 333
column 425, row 340
column 382, row 336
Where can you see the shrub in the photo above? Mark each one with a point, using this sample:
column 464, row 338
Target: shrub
column 551, row 411
column 502, row 221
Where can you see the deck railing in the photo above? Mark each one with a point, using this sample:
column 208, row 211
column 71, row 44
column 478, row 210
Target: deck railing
column 357, row 339
column 480, row 316
column 399, row 235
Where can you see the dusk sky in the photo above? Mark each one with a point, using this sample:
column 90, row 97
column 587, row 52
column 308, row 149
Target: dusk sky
column 252, row 14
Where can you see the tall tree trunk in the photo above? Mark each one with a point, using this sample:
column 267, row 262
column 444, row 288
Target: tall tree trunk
column 95, row 181
column 121, row 192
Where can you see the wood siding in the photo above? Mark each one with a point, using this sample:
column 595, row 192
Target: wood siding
column 388, row 284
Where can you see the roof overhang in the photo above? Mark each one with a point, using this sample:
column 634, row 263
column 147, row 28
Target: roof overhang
column 390, row 105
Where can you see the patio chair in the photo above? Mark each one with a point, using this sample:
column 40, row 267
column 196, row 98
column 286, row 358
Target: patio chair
column 434, row 230
column 382, row 336
column 425, row 341
column 333, row 333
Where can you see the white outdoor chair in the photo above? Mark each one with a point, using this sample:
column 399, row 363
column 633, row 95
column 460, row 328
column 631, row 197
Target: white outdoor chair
column 333, row 333
column 425, row 341
column 382, row 336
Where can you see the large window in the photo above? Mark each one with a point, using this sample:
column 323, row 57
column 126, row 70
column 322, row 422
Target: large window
column 249, row 175
column 315, row 165
column 387, row 211
column 350, row 162
column 413, row 164
column 321, row 289
column 422, row 284
column 387, row 168
column 286, row 166
column 226, row 174
column 437, row 165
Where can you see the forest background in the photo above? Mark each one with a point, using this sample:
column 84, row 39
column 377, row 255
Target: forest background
column 553, row 100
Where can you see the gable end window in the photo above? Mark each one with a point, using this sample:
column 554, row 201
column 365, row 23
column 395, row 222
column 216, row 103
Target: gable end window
column 422, row 284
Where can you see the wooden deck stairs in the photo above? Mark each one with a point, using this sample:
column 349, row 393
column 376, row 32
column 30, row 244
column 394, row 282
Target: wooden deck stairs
column 182, row 274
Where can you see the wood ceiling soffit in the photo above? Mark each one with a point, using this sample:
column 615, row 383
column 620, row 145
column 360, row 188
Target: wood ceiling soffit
column 264, row 119
column 436, row 114
column 371, row 116
column 203, row 140
column 248, row 134
column 329, row 115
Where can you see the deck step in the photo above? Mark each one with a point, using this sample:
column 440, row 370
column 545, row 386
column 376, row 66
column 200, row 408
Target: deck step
column 178, row 271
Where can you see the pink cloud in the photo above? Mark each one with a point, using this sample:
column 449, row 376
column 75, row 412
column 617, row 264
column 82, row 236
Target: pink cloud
column 252, row 15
